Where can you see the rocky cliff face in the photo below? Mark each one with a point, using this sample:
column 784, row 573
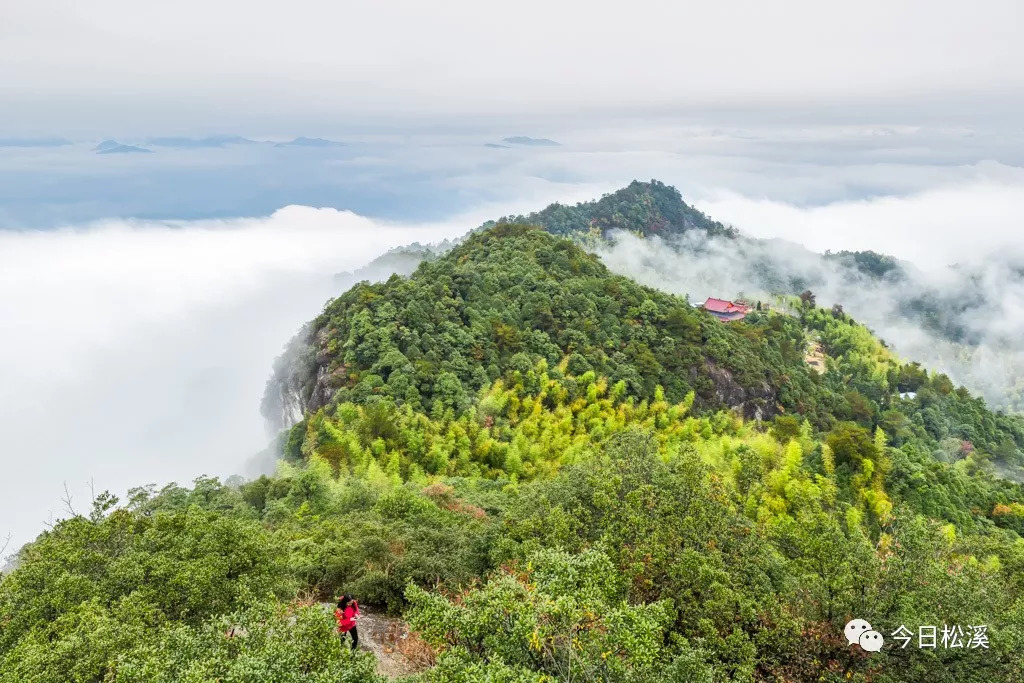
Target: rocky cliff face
column 298, row 382
column 755, row 403
column 291, row 383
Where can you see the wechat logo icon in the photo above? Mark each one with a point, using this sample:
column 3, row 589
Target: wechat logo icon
column 859, row 631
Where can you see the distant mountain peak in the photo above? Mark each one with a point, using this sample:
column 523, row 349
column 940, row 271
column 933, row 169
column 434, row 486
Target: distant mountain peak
column 310, row 142
column 115, row 147
column 531, row 142
column 643, row 208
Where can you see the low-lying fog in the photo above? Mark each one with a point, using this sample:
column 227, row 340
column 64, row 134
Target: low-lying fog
column 136, row 352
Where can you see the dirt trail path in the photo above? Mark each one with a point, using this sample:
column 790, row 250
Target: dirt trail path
column 388, row 639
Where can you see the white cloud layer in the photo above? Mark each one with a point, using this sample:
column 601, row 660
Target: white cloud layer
column 137, row 352
column 945, row 224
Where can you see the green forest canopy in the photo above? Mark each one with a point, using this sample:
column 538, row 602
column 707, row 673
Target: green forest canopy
column 554, row 472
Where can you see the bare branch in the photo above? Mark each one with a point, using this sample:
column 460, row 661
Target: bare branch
column 3, row 548
column 66, row 499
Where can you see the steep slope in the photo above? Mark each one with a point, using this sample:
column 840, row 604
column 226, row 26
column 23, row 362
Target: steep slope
column 510, row 296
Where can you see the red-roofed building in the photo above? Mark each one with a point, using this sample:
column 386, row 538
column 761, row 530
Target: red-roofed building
column 726, row 310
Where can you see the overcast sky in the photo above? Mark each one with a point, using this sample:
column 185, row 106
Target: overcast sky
column 74, row 64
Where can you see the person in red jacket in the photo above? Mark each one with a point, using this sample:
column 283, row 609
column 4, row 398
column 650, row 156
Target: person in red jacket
column 347, row 615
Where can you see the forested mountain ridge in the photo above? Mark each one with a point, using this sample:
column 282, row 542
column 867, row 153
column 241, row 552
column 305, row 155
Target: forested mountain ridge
column 554, row 473
column 512, row 295
column 642, row 208
column 954, row 319
column 963, row 319
column 960, row 310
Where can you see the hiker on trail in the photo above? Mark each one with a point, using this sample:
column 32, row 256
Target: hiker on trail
column 346, row 615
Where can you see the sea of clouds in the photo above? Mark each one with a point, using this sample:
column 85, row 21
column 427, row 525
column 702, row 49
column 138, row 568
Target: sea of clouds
column 136, row 352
